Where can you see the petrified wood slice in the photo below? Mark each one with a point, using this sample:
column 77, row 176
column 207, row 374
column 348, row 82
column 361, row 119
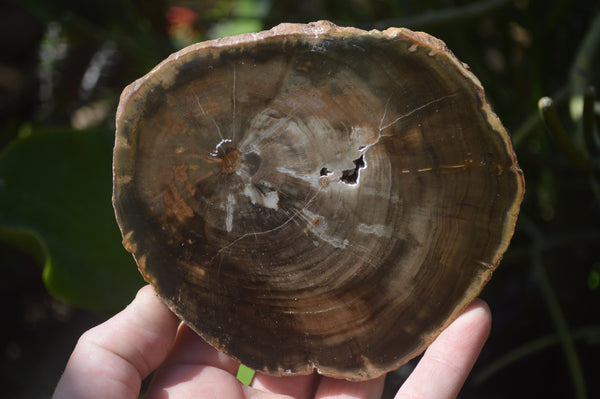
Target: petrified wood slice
column 315, row 197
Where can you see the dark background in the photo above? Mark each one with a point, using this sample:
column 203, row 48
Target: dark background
column 63, row 64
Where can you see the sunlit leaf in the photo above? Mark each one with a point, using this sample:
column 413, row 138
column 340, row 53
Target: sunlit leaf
column 234, row 27
column 245, row 375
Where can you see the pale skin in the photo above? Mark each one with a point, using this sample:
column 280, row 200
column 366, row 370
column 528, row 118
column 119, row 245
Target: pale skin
column 112, row 359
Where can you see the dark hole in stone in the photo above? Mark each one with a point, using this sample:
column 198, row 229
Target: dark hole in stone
column 324, row 172
column 350, row 176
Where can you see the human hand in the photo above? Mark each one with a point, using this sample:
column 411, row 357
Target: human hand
column 112, row 359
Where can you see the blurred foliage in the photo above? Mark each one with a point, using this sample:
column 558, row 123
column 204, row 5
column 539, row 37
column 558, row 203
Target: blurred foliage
column 63, row 199
column 63, row 64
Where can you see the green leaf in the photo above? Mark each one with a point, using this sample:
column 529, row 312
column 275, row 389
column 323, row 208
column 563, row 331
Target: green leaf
column 245, row 375
column 56, row 187
column 25, row 241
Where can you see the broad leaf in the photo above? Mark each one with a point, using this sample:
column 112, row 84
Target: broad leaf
column 57, row 186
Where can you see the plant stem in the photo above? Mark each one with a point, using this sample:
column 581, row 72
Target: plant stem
column 589, row 133
column 561, row 138
column 530, row 348
column 556, row 313
column 581, row 70
column 532, row 122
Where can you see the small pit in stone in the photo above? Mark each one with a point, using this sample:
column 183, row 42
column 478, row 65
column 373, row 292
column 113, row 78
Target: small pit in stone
column 325, row 172
column 350, row 176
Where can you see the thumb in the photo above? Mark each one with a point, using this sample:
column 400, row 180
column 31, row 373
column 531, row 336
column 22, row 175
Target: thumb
column 112, row 359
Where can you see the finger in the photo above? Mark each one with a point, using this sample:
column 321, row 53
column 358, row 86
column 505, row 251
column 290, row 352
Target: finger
column 447, row 362
column 194, row 369
column 193, row 364
column 298, row 387
column 194, row 381
column 110, row 360
column 190, row 349
column 331, row 388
